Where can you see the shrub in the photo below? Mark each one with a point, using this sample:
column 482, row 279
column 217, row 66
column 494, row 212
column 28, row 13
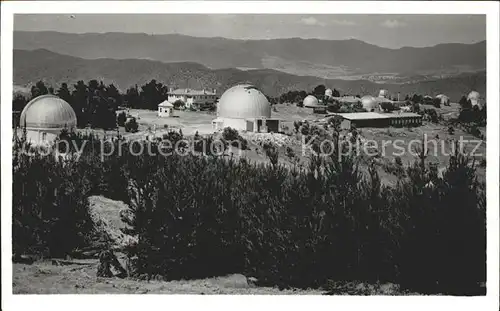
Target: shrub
column 121, row 119
column 198, row 217
column 230, row 134
column 234, row 138
column 179, row 104
column 436, row 102
column 131, row 125
column 451, row 130
column 431, row 115
column 50, row 208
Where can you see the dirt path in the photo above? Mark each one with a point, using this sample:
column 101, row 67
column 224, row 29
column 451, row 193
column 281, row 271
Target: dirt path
column 46, row 278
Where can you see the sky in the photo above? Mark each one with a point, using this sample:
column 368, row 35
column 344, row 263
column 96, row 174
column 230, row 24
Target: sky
column 392, row 31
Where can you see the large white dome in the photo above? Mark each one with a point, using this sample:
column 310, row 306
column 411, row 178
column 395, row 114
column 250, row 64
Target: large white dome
column 369, row 103
column 243, row 101
column 328, row 92
column 310, row 101
column 48, row 112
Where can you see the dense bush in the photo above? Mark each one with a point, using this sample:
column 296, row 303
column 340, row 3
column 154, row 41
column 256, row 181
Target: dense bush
column 179, row 104
column 49, row 204
column 387, row 106
column 204, row 216
column 431, row 115
column 234, row 138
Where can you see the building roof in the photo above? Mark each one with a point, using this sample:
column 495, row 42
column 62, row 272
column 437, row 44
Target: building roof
column 165, row 104
column 48, row 112
column 377, row 115
column 191, row 92
column 349, row 99
column 362, row 115
column 397, row 114
column 243, row 101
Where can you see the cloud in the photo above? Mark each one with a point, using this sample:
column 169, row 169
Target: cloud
column 311, row 21
column 343, row 22
column 392, row 23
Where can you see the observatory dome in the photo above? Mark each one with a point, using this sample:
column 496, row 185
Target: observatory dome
column 444, row 100
column 49, row 113
column 243, row 102
column 328, row 92
column 369, row 103
column 310, row 101
column 474, row 98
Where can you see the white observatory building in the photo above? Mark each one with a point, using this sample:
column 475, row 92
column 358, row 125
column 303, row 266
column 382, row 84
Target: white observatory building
column 44, row 117
column 244, row 107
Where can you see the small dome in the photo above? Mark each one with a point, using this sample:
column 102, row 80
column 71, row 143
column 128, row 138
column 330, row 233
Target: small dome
column 474, row 98
column 369, row 103
column 383, row 93
column 310, row 101
column 242, row 102
column 328, row 92
column 445, row 100
column 48, row 112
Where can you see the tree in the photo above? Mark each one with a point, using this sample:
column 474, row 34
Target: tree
column 64, row 93
column 39, row 89
column 387, row 106
column 464, row 103
column 178, row 104
column 436, row 102
column 153, row 93
column 417, row 98
column 132, row 98
column 415, row 107
column 103, row 107
column 18, row 104
column 335, row 93
column 80, row 103
column 131, row 125
column 319, row 90
column 113, row 93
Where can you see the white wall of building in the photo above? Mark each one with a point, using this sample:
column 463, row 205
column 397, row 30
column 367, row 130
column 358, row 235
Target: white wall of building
column 238, row 124
column 39, row 137
column 165, row 111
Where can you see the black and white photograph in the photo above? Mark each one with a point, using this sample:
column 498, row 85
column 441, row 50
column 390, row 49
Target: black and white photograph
column 207, row 153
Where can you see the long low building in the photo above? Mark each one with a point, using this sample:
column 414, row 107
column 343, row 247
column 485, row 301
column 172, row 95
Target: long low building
column 377, row 119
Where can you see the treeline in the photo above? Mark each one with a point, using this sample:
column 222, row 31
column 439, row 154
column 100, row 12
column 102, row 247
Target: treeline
column 287, row 227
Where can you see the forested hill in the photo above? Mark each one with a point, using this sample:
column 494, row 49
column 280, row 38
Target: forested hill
column 54, row 69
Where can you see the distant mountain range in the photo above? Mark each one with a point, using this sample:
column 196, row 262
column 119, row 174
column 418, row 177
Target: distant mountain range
column 54, row 69
column 312, row 57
